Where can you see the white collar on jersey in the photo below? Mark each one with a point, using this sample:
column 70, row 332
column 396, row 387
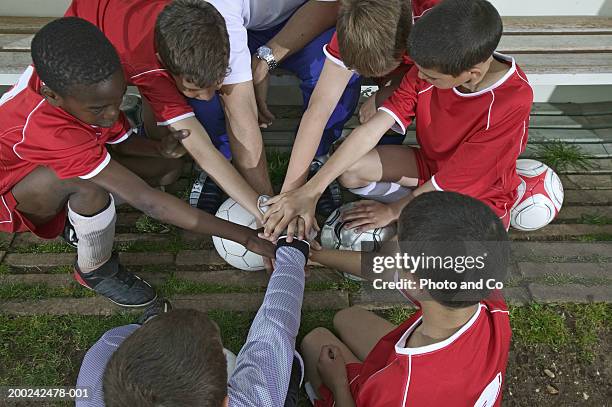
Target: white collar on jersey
column 496, row 84
column 400, row 346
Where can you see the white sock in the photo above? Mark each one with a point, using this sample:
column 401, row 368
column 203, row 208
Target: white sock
column 385, row 192
column 96, row 235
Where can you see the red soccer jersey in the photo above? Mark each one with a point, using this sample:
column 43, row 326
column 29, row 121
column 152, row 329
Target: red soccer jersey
column 466, row 369
column 34, row 133
column 129, row 25
column 419, row 7
column 469, row 141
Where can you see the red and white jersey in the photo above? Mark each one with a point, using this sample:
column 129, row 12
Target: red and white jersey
column 34, row 133
column 467, row 369
column 419, row 7
column 471, row 141
column 129, row 25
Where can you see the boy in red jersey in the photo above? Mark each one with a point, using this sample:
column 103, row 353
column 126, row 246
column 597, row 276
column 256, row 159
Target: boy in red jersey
column 453, row 351
column 471, row 107
column 55, row 126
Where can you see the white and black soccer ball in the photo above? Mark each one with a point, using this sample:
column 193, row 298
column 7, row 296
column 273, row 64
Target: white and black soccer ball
column 234, row 253
column 334, row 234
column 540, row 196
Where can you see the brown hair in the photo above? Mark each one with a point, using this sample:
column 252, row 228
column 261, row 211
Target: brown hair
column 192, row 41
column 372, row 34
column 175, row 359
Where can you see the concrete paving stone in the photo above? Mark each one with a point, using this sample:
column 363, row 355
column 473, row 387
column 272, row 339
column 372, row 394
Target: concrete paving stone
column 577, row 212
column 560, row 250
column 560, row 231
column 517, row 295
column 239, row 278
column 6, row 239
column 579, row 270
column 587, row 181
column 371, row 298
column 145, row 258
column 186, row 258
column 29, row 239
column 141, row 237
column 586, row 197
column 570, row 293
column 39, row 260
column 313, row 300
column 63, row 280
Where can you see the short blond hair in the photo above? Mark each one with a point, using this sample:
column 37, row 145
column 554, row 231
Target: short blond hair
column 373, row 34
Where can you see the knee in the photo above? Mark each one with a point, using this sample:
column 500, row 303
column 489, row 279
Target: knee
column 343, row 317
column 315, row 338
column 86, row 194
column 351, row 179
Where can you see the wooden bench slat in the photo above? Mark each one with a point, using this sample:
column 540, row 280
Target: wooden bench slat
column 578, row 63
column 557, row 25
column 15, row 42
column 531, row 44
column 512, row 24
column 22, row 25
column 571, row 109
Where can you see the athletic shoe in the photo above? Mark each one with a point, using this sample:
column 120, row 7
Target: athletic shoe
column 117, row 284
column 331, row 198
column 69, row 234
column 131, row 106
column 206, row 194
column 159, row 306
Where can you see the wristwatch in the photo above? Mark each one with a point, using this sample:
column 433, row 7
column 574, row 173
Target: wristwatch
column 265, row 54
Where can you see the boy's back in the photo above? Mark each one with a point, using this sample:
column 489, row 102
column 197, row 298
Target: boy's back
column 467, row 369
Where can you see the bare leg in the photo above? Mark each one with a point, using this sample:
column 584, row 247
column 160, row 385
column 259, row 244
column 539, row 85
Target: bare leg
column 311, row 349
column 360, row 329
column 381, row 164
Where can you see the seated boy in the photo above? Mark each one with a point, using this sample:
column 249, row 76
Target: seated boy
column 471, row 107
column 370, row 40
column 55, row 126
column 176, row 359
column 453, row 351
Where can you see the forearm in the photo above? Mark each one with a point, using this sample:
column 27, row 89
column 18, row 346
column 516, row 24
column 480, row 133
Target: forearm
column 200, row 147
column 246, row 141
column 305, row 146
column 306, row 24
column 341, row 260
column 343, row 397
column 264, row 363
column 138, row 146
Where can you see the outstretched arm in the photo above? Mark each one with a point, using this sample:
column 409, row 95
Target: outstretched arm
column 263, row 367
column 164, row 207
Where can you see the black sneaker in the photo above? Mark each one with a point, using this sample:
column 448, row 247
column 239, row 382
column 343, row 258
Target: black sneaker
column 331, row 198
column 206, row 194
column 118, row 285
column 159, row 306
column 69, row 234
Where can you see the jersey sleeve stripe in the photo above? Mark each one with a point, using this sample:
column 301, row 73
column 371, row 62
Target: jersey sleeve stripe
column 146, row 72
column 10, row 219
column 332, row 58
column 24, row 79
column 98, row 169
column 490, row 109
column 435, row 184
column 397, row 120
column 176, row 119
column 122, row 138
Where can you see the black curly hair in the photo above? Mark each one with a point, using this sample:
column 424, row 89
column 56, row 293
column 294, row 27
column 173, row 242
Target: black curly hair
column 71, row 51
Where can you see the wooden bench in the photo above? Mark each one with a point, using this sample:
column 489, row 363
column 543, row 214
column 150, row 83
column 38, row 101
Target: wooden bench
column 551, row 50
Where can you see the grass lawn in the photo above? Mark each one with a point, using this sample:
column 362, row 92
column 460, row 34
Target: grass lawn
column 571, row 339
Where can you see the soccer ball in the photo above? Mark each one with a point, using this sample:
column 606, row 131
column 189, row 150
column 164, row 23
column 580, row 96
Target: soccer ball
column 234, row 253
column 540, row 196
column 335, row 236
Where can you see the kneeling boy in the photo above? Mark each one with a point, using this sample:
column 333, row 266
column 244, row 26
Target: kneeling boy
column 55, row 126
column 453, row 351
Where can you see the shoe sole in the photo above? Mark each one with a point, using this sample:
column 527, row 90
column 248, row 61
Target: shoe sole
column 81, row 282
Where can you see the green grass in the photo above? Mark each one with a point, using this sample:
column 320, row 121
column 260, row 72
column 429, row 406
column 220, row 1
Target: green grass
column 21, row 291
column 562, row 156
column 147, row 224
column 595, row 219
column 4, row 269
column 278, row 162
column 175, row 286
column 45, row 247
column 47, row 350
column 596, row 237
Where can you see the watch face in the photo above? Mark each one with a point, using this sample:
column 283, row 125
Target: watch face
column 264, row 52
